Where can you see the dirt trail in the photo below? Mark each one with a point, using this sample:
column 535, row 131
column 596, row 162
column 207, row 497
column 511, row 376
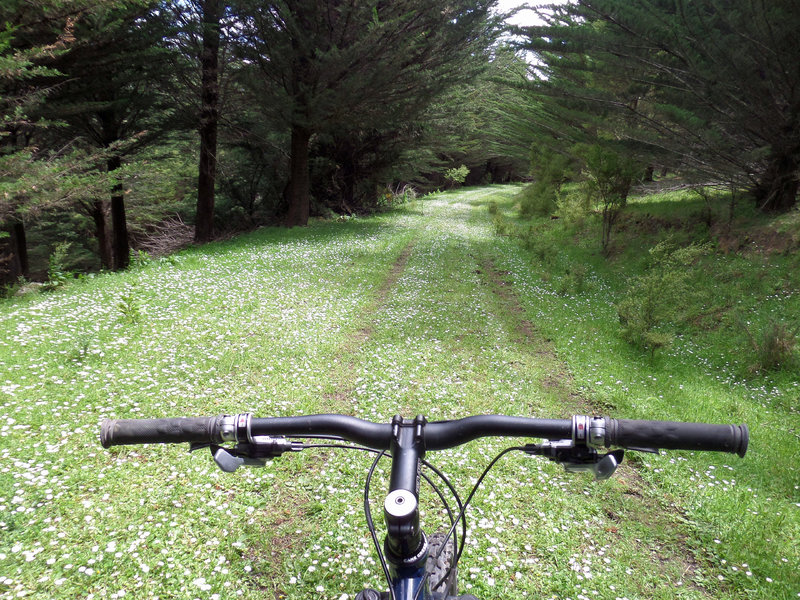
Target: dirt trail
column 346, row 357
column 430, row 342
column 389, row 283
column 641, row 504
column 558, row 382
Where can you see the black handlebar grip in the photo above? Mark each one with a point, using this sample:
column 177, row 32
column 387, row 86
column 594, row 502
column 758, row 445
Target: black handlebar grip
column 669, row 435
column 119, row 432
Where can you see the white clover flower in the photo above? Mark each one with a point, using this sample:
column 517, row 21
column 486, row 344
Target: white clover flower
column 200, row 582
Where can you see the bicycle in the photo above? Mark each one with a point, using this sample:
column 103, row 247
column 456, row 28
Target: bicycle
column 418, row 567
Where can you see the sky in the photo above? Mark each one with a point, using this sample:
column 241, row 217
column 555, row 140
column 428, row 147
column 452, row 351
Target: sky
column 525, row 17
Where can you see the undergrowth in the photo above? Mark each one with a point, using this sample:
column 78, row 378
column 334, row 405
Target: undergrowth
column 692, row 316
column 679, row 268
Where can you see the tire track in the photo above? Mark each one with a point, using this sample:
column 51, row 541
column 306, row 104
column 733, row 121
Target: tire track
column 639, row 502
column 345, row 362
column 558, row 382
column 289, row 531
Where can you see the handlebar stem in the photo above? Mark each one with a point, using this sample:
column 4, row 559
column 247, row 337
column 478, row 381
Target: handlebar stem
column 407, row 448
column 405, row 543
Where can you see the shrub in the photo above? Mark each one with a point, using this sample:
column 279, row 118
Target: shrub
column 139, row 258
column 456, row 175
column 57, row 273
column 395, row 196
column 773, row 347
column 82, row 344
column 9, row 290
column 574, row 281
column 658, row 298
column 609, row 176
column 538, row 199
column 550, row 170
column 501, row 225
column 574, row 206
column 541, row 248
column 129, row 306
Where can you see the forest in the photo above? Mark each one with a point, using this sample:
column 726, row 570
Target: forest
column 142, row 126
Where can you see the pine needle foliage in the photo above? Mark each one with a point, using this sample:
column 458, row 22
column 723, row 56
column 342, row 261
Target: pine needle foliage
column 317, row 65
column 708, row 86
column 655, row 300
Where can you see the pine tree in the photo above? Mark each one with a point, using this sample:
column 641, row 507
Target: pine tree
column 707, row 85
column 33, row 33
column 332, row 67
column 112, row 98
column 211, row 15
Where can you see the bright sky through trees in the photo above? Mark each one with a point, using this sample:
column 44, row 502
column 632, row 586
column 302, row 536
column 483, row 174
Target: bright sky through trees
column 524, row 17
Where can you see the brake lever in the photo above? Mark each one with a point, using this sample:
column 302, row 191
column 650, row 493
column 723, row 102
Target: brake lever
column 578, row 459
column 228, row 462
column 254, row 454
column 602, row 469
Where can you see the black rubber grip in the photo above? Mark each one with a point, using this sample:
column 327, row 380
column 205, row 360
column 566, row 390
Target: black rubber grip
column 668, row 435
column 119, row 432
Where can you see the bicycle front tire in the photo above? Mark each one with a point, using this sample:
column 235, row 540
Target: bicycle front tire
column 439, row 563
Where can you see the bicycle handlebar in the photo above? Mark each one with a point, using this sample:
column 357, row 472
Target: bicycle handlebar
column 438, row 435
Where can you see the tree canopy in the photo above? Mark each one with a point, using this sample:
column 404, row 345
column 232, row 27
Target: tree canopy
column 349, row 68
column 120, row 116
column 712, row 86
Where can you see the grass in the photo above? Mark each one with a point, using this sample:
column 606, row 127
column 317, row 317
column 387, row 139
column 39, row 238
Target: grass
column 289, row 322
column 707, row 375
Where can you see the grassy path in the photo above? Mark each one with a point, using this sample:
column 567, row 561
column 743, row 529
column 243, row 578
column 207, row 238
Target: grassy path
column 417, row 311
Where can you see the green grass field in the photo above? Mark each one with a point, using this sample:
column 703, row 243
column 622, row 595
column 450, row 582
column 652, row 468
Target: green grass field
column 424, row 309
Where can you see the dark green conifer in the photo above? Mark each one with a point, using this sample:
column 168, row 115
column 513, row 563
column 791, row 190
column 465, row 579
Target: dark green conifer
column 347, row 68
column 712, row 86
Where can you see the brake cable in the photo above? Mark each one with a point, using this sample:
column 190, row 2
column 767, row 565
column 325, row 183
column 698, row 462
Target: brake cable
column 368, row 512
column 430, row 482
column 462, row 515
column 371, row 524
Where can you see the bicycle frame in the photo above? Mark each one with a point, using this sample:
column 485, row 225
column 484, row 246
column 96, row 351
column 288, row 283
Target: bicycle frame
column 405, row 545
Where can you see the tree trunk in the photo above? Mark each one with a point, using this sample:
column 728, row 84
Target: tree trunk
column 19, row 243
column 298, row 178
column 349, row 176
column 98, row 212
column 14, row 257
column 119, row 243
column 778, row 187
column 209, row 117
